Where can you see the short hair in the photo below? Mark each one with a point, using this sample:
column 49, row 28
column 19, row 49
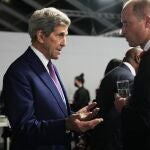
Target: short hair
column 46, row 19
column 131, row 53
column 140, row 7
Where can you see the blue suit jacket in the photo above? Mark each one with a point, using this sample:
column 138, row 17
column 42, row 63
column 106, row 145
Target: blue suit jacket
column 34, row 106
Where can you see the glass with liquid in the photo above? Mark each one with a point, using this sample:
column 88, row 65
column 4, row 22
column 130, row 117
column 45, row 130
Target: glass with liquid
column 123, row 88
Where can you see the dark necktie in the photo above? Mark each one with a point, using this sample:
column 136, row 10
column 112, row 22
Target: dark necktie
column 55, row 80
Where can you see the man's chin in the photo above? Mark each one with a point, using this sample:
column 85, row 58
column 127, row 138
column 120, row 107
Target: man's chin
column 132, row 44
column 57, row 57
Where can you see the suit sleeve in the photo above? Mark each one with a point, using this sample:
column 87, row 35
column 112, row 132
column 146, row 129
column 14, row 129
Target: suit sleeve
column 18, row 97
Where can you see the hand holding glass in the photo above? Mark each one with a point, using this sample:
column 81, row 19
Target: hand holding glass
column 123, row 88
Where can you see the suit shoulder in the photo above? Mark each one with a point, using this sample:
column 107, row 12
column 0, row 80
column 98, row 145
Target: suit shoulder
column 17, row 65
column 120, row 73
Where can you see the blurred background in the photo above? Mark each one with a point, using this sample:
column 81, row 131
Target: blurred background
column 89, row 17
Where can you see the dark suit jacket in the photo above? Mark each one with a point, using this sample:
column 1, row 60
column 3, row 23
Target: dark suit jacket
column 34, row 107
column 107, row 136
column 136, row 117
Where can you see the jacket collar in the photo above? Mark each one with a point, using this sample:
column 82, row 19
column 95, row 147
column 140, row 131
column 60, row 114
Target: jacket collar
column 41, row 71
column 147, row 46
column 130, row 67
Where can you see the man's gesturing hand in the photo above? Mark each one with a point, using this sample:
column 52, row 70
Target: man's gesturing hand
column 83, row 120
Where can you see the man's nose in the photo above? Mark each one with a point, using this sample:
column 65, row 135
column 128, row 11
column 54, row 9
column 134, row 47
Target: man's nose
column 63, row 42
column 122, row 31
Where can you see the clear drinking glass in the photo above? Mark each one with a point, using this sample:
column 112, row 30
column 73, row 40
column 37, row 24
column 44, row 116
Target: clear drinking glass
column 123, row 88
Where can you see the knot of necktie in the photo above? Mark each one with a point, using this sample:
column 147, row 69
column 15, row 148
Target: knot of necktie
column 51, row 70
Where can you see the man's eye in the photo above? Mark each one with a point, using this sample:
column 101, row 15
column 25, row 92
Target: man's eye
column 61, row 34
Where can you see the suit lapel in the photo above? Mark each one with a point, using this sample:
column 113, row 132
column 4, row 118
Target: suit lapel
column 44, row 76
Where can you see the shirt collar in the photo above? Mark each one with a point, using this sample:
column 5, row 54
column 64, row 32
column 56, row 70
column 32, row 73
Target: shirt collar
column 130, row 67
column 147, row 46
column 43, row 59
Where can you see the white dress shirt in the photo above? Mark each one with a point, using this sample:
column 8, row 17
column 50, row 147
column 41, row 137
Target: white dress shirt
column 43, row 59
column 147, row 46
column 131, row 68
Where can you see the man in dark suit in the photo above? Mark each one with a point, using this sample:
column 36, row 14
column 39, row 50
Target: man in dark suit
column 107, row 136
column 35, row 99
column 135, row 18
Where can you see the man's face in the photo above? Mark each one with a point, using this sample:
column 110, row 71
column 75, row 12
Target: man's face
column 133, row 28
column 53, row 44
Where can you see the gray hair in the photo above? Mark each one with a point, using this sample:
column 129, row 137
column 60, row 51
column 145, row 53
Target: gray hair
column 46, row 19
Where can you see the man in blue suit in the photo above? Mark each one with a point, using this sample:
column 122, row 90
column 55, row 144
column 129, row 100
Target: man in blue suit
column 107, row 136
column 35, row 101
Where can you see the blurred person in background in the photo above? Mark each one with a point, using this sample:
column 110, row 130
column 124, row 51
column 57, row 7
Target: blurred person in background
column 81, row 96
column 112, row 64
column 108, row 135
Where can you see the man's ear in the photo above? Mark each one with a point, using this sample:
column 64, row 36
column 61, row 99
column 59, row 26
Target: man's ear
column 40, row 36
column 137, row 59
column 148, row 21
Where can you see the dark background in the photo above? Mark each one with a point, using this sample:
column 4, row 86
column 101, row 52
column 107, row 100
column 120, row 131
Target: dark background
column 89, row 17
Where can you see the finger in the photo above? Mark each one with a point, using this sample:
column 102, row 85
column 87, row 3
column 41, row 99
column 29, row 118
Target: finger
column 95, row 111
column 92, row 114
column 87, row 125
column 117, row 96
column 91, row 106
